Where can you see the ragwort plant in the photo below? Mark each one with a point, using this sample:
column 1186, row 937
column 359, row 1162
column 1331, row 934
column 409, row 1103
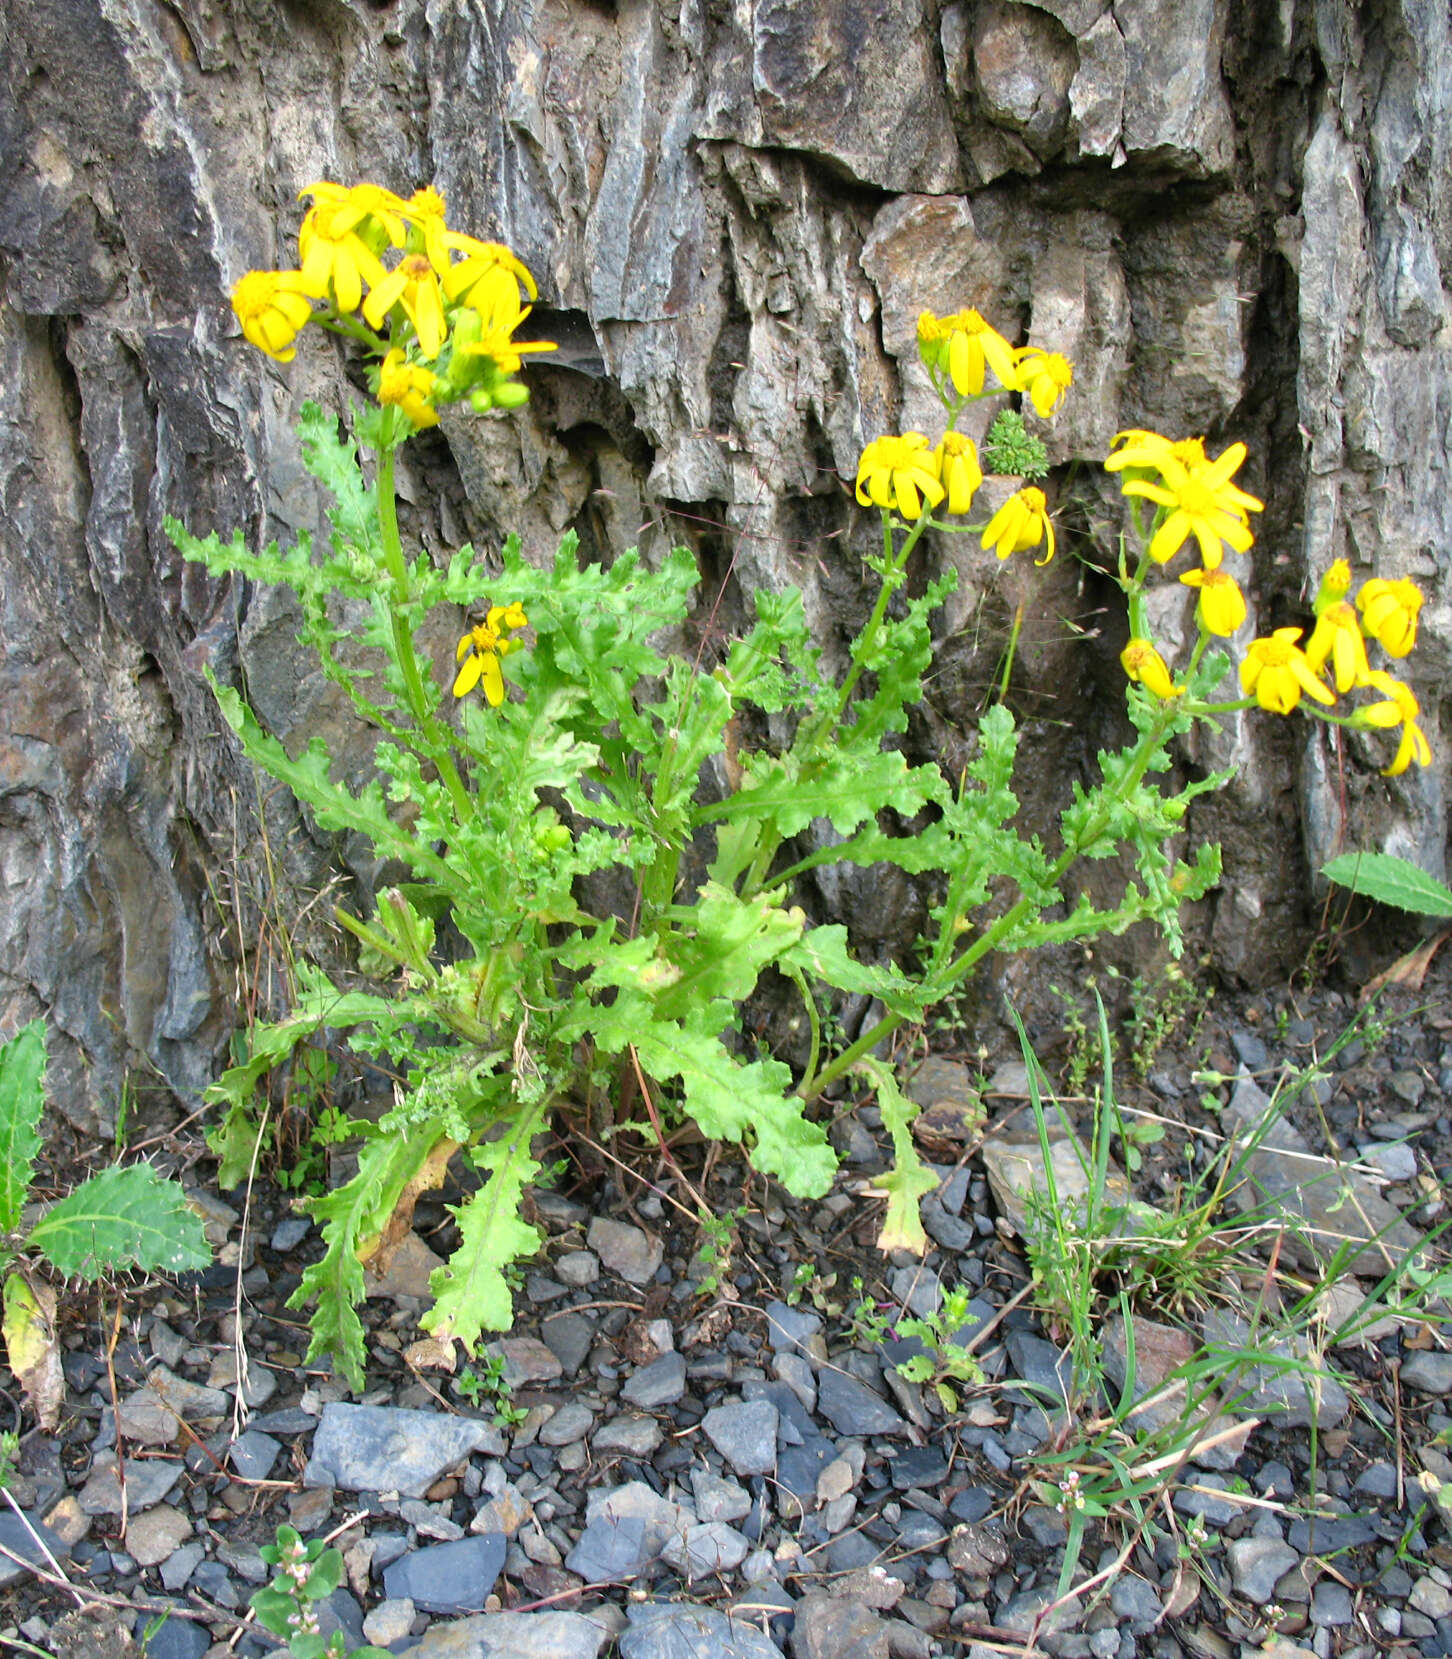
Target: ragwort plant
column 572, row 746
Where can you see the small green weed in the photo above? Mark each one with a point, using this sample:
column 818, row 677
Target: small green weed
column 305, row 1575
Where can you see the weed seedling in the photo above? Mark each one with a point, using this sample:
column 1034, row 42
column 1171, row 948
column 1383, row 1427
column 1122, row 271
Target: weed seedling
column 305, row 1575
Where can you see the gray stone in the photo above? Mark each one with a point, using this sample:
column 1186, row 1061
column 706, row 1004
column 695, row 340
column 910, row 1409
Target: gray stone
column 1201, row 1500
column 578, row 1268
column 1257, row 1565
column 1428, row 1370
column 570, row 1423
column 253, row 1454
column 1135, row 1599
column 624, row 1530
column 673, row 1630
column 448, row 1578
column 1331, row 1604
column 525, row 1359
column 745, row 1435
column 389, row 1622
column 1395, row 1159
column 179, row 1565
column 627, row 1436
column 1289, row 1386
column 661, row 1383
column 18, row 1538
column 851, row 1407
column 148, row 1480
column 1328, row 1209
column 546, row 1635
column 717, row 1499
column 629, row 1252
column 156, row 1534
column 172, row 1638
column 569, row 1337
column 837, row 1627
column 707, row 1548
column 790, row 1329
column 392, row 1449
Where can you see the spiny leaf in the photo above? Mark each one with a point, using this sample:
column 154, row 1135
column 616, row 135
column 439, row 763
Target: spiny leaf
column 124, row 1216
column 22, row 1099
column 1391, row 880
column 472, row 1294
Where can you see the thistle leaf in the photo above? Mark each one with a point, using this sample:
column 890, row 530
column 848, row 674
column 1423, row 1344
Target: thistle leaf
column 124, row 1216
column 22, row 1098
column 1391, row 880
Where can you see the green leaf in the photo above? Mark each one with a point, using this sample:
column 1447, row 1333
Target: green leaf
column 351, row 1214
column 1391, row 880
column 847, row 789
column 822, row 953
column 750, row 1104
column 471, row 1292
column 325, row 1575
column 907, row 1181
column 719, row 946
column 22, row 1100
column 273, row 1608
column 125, row 1216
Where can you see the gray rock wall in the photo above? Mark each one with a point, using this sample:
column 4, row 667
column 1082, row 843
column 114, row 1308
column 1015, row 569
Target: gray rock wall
column 1232, row 214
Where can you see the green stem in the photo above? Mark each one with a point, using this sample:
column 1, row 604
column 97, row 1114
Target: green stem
column 1024, row 906
column 419, row 702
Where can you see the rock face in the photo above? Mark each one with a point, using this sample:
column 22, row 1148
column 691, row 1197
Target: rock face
column 1232, row 217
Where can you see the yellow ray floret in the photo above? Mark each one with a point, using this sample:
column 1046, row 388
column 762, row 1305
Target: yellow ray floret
column 1199, row 500
column 899, row 472
column 1020, row 523
column 1221, row 609
column 1337, row 638
column 956, row 462
column 1044, row 375
column 1390, row 610
column 1400, row 709
column 1142, row 663
column 273, row 307
column 1275, row 672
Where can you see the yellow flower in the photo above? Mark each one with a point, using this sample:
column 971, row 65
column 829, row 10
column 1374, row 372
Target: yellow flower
column 898, row 472
column 1221, row 609
column 414, row 285
column 956, row 461
column 1044, row 375
column 488, row 277
column 1337, row 636
column 1401, row 709
column 1143, row 663
column 343, row 234
column 409, row 386
column 1202, row 502
column 1277, row 672
column 1390, row 610
column 1143, row 451
column 426, row 209
column 481, row 648
column 1335, row 584
column 1021, row 522
column 272, row 307
column 961, row 346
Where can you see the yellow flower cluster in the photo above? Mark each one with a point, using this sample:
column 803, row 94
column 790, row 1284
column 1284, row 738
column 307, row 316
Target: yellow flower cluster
column 906, row 474
column 442, row 319
column 1195, row 496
